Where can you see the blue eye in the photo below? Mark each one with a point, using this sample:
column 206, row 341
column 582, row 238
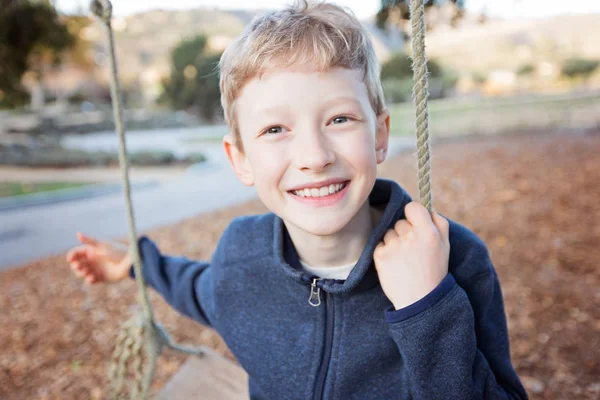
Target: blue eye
column 273, row 130
column 340, row 120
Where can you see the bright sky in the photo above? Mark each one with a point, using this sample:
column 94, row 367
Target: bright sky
column 362, row 8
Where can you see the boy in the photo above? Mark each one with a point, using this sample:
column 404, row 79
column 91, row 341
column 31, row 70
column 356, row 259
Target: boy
column 347, row 289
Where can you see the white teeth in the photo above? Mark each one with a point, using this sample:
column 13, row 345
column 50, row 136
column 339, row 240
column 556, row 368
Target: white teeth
column 320, row 192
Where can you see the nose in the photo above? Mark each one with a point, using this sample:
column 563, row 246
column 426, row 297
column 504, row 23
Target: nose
column 312, row 151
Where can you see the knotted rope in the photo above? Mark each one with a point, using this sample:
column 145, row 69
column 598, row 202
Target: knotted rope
column 137, row 331
column 420, row 95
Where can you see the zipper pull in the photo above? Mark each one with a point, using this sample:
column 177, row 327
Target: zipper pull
column 315, row 294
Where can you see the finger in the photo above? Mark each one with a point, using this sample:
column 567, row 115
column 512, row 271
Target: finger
column 77, row 265
column 442, row 225
column 418, row 216
column 389, row 236
column 79, row 269
column 95, row 278
column 75, row 253
column 402, row 227
column 86, row 239
column 91, row 252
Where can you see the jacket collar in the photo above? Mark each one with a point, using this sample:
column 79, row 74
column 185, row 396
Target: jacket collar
column 363, row 275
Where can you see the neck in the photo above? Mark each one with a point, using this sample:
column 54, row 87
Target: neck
column 341, row 248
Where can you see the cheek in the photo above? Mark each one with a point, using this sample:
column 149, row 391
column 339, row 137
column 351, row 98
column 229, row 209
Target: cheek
column 268, row 165
column 360, row 151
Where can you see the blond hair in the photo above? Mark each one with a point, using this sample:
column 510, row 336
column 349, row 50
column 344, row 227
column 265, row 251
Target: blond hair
column 322, row 35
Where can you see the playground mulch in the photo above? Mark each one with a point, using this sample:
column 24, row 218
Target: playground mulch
column 534, row 199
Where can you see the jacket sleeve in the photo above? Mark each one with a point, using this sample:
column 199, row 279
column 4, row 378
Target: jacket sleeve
column 185, row 284
column 454, row 342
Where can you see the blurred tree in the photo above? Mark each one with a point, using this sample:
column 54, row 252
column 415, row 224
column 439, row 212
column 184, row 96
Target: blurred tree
column 397, row 12
column 188, row 52
column 397, row 78
column 526, row 70
column 209, row 93
column 31, row 38
column 194, row 82
column 78, row 52
column 397, row 90
column 579, row 68
column 479, row 77
column 400, row 66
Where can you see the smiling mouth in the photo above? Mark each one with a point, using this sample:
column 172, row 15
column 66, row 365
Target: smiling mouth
column 320, row 192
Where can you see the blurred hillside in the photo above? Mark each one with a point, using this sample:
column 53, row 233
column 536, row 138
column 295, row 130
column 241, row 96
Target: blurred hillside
column 145, row 40
column 486, row 58
column 510, row 44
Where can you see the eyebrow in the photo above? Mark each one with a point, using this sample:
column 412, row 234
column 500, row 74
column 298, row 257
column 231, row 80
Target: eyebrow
column 277, row 110
column 344, row 99
column 270, row 111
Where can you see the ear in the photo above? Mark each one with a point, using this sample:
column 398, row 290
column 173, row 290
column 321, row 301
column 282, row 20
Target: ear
column 238, row 160
column 382, row 136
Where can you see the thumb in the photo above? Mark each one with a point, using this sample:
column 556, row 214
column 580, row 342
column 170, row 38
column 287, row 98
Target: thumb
column 442, row 225
column 86, row 239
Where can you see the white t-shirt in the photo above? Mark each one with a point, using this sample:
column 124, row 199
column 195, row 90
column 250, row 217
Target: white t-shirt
column 329, row 272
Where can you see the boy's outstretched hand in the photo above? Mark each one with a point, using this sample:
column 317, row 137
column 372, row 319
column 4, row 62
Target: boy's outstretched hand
column 96, row 261
column 413, row 257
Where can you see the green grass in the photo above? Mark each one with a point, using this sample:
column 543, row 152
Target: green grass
column 452, row 117
column 8, row 189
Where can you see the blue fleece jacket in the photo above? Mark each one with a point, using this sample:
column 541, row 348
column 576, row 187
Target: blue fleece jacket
column 348, row 342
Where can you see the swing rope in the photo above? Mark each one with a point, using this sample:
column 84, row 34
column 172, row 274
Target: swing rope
column 420, row 95
column 143, row 329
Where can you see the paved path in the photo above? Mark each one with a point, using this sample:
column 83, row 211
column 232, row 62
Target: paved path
column 35, row 232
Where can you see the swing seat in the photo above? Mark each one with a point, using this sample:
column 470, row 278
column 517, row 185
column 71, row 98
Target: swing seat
column 207, row 377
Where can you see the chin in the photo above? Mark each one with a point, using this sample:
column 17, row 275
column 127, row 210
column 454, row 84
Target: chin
column 320, row 227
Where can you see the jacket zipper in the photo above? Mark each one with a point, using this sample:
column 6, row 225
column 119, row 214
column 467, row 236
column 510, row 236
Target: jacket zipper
column 315, row 294
column 315, row 300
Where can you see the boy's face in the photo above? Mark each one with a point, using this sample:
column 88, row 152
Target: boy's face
column 311, row 145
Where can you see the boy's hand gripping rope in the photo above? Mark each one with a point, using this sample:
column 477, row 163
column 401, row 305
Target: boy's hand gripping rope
column 136, row 331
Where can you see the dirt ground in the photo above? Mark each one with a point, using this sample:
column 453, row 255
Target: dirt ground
column 533, row 199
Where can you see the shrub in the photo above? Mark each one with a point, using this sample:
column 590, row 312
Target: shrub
column 526, row 69
column 400, row 67
column 579, row 67
column 58, row 157
column 193, row 83
column 397, row 90
column 479, row 77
